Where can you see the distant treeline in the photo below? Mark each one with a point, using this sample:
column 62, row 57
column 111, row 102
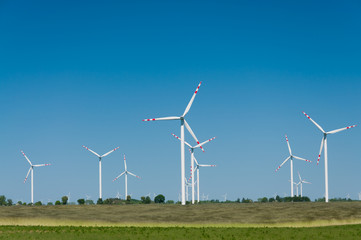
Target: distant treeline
column 160, row 199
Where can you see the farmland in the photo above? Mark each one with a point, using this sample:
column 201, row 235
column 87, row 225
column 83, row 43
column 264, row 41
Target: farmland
column 166, row 221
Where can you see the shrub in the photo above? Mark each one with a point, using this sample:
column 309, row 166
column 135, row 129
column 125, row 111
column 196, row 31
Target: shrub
column 159, row 199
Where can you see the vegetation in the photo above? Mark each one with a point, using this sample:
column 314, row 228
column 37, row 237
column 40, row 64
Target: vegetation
column 55, row 233
column 64, row 200
column 159, row 199
column 81, row 201
column 215, row 213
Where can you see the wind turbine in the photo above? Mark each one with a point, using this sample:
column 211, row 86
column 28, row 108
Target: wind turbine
column 192, row 160
column 31, row 169
column 296, row 184
column 126, row 172
column 302, row 181
column 100, row 166
column 118, row 195
column 188, row 185
column 225, row 197
column 291, row 157
column 182, row 122
column 197, row 169
column 324, row 143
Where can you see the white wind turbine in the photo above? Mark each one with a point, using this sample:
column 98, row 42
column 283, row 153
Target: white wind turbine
column 291, row 157
column 324, row 143
column 302, row 181
column 32, row 175
column 197, row 169
column 100, row 166
column 192, row 160
column 126, row 172
column 225, row 197
column 182, row 122
column 188, row 185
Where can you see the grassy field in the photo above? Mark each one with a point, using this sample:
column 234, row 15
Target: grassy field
column 222, row 214
column 159, row 233
column 204, row 221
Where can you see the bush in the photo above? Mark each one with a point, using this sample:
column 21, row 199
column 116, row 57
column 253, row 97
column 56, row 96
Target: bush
column 145, row 200
column 81, row 201
column 159, row 199
column 170, row 202
column 9, row 203
column 38, row 203
column 57, row 202
column 64, row 200
column 50, row 204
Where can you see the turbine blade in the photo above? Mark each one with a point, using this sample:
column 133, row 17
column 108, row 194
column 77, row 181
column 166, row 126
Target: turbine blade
column 205, row 165
column 301, row 159
column 306, row 182
column 42, row 165
column 27, row 175
column 341, row 129
column 319, row 127
column 26, row 158
column 299, row 176
column 288, row 144
column 134, row 175
column 201, row 144
column 191, row 101
column 283, row 163
column 125, row 163
column 192, row 133
column 163, row 118
column 195, row 160
column 91, row 151
column 110, row 152
column 319, row 155
column 181, row 140
column 119, row 176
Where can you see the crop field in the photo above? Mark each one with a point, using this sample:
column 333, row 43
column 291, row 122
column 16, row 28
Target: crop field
column 164, row 221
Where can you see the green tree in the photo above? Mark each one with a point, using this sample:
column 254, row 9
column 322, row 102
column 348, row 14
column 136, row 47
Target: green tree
column 129, row 198
column 57, row 202
column 20, row 203
column 170, row 202
column 9, row 203
column 38, row 203
column 50, row 204
column 100, row 201
column 81, row 201
column 64, row 200
column 147, row 200
column 159, row 199
column 2, row 200
column 89, row 202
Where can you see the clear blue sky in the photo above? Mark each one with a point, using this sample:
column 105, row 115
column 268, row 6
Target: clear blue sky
column 87, row 73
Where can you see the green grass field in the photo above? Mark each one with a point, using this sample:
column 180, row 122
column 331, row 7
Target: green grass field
column 338, row 220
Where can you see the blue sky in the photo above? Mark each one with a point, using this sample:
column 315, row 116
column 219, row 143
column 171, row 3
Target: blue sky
column 87, row 73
